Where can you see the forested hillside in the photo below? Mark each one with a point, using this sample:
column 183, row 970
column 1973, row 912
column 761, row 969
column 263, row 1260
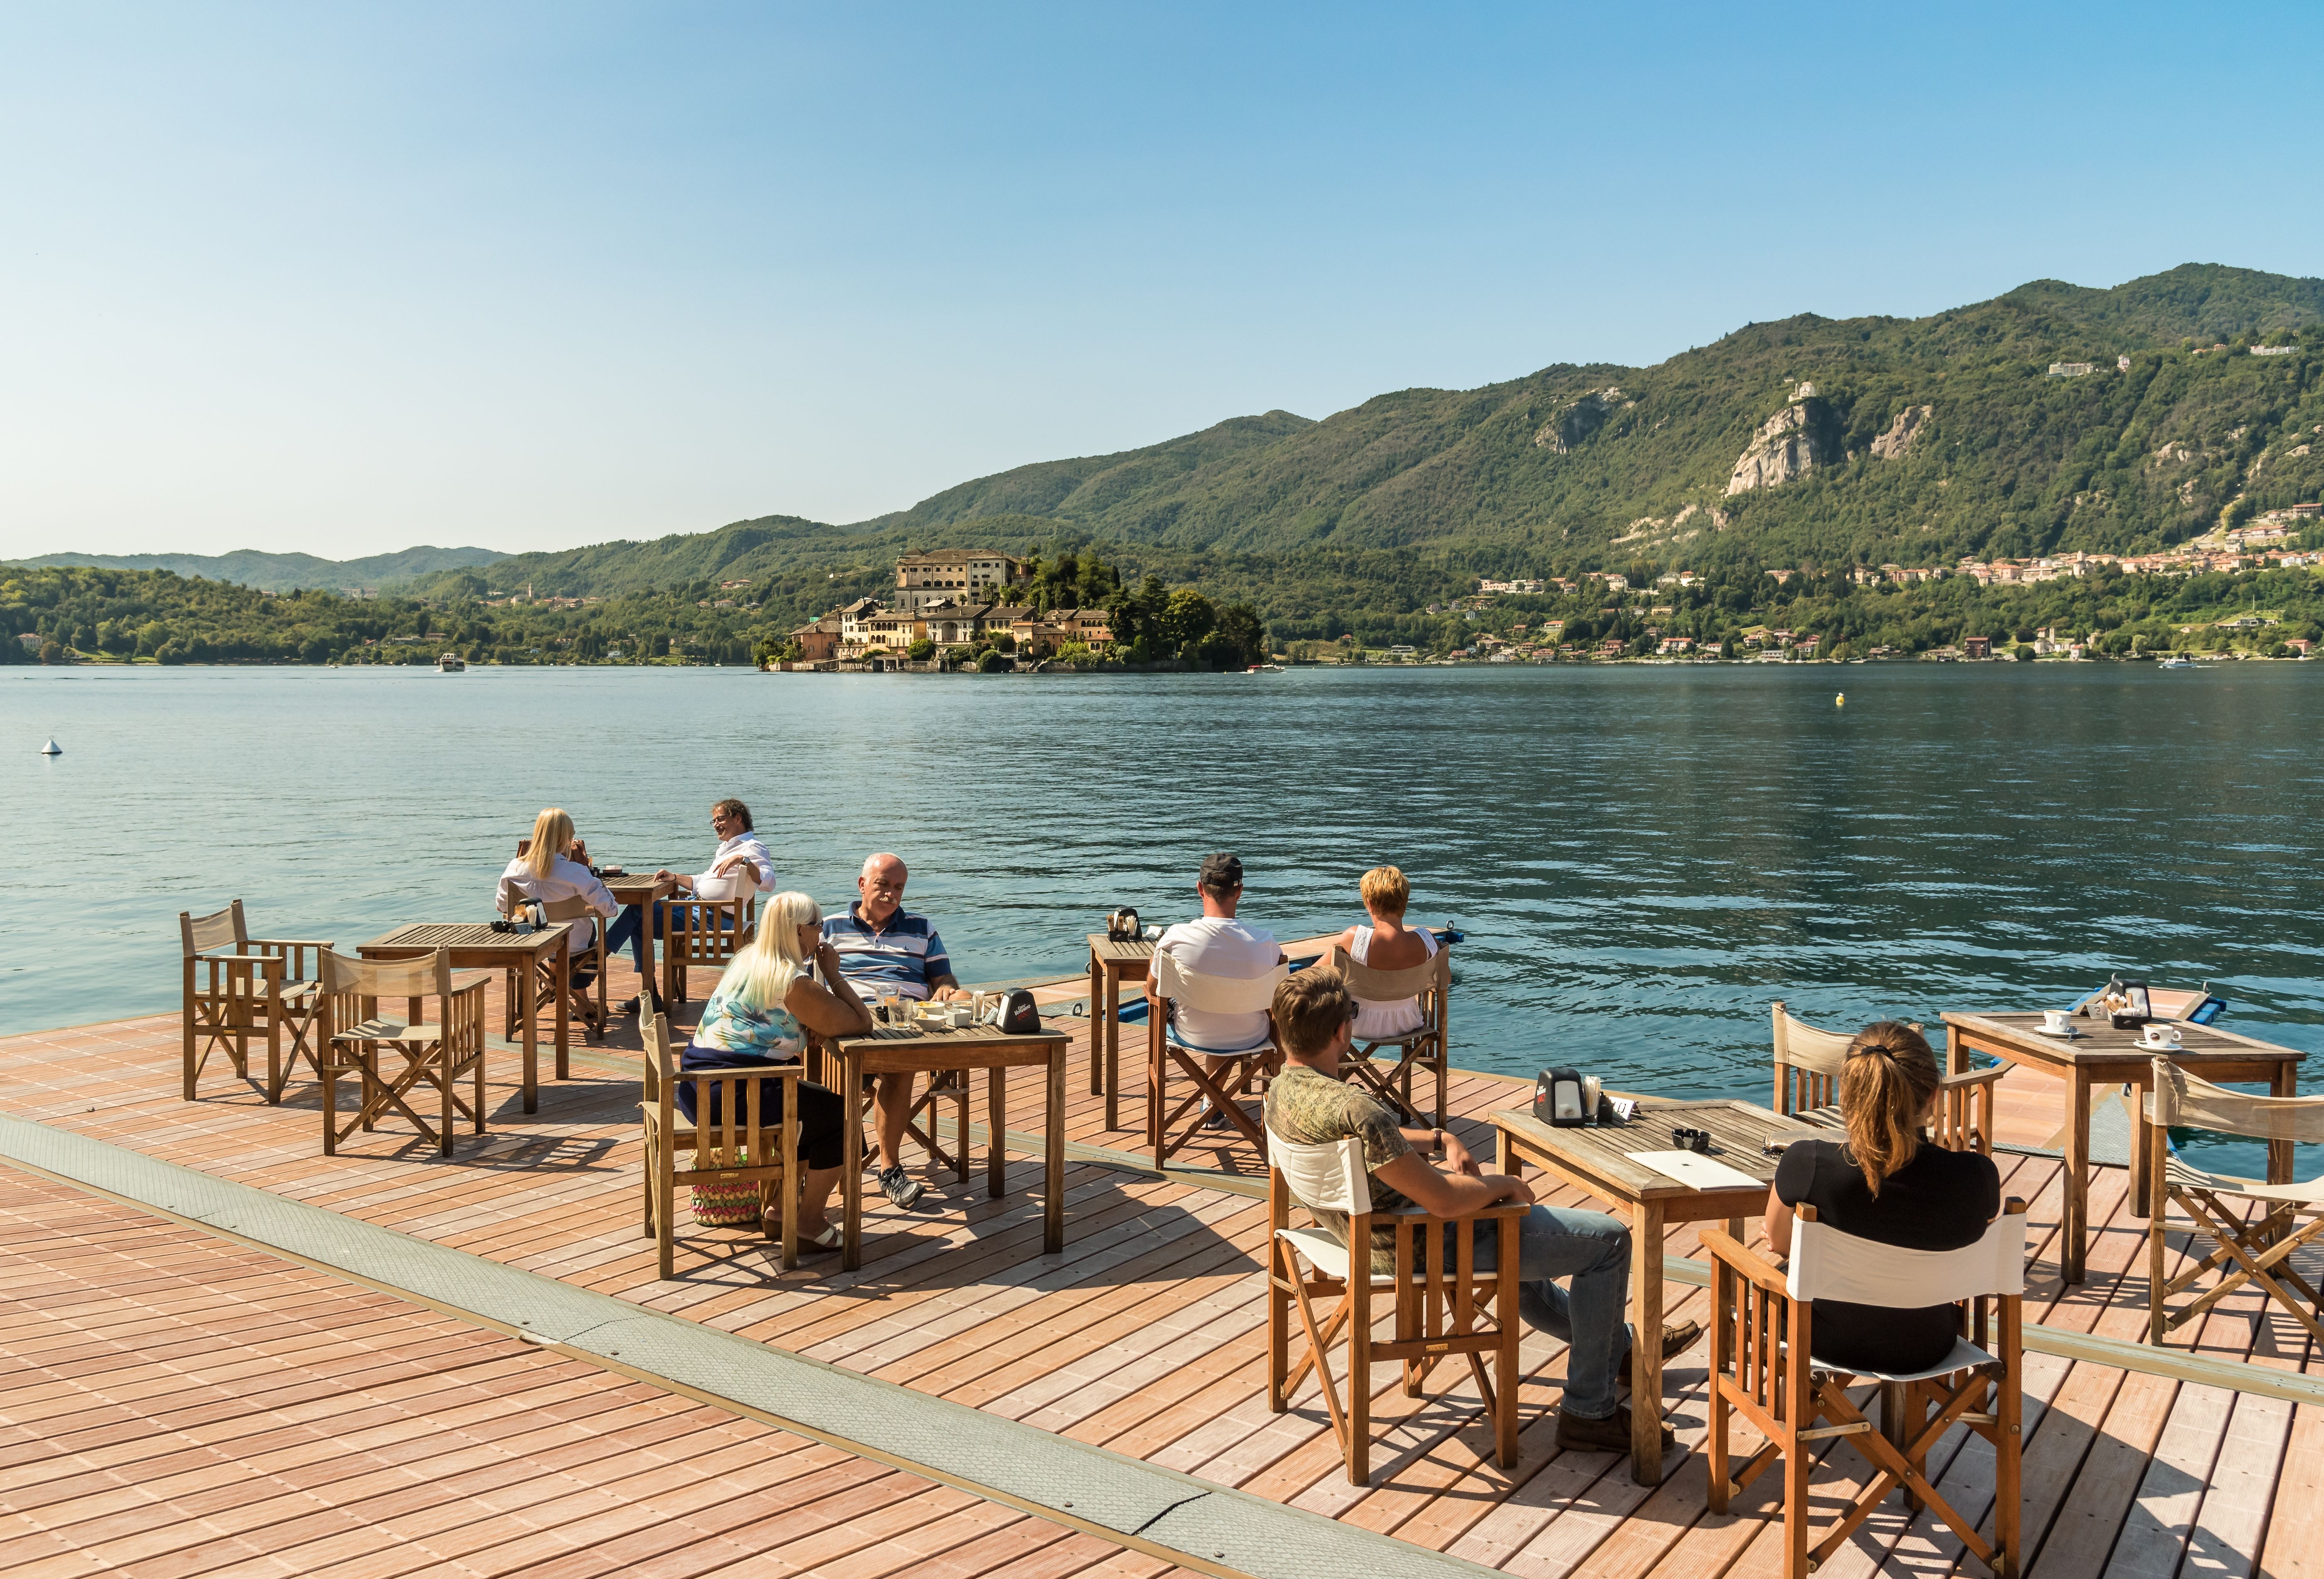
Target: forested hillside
column 1924, row 440
column 283, row 573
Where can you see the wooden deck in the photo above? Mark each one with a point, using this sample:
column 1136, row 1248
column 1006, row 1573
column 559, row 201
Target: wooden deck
column 1145, row 1335
column 184, row 1404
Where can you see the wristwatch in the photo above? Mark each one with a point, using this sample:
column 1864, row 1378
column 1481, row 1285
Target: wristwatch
column 1439, row 1136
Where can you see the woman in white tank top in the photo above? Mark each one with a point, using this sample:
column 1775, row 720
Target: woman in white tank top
column 1388, row 944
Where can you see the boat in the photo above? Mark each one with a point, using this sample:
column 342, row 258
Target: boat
column 1264, row 669
column 2178, row 661
column 450, row 664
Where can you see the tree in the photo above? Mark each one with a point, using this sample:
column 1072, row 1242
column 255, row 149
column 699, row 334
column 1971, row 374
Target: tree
column 991, row 663
column 1186, row 618
column 53, row 652
column 1241, row 626
column 921, row 651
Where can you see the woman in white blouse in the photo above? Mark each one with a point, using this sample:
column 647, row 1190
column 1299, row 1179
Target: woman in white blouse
column 547, row 870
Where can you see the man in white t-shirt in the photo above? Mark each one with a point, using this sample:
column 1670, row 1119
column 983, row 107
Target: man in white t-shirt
column 1219, row 945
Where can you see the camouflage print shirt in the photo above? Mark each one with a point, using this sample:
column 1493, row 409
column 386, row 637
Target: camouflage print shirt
column 1309, row 1108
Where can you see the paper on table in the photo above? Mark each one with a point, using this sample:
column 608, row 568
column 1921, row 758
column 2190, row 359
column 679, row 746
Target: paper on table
column 1694, row 1170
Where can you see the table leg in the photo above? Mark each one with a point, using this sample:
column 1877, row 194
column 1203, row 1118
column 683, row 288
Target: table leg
column 2141, row 1183
column 850, row 1166
column 1504, row 1161
column 1739, row 1229
column 1647, row 1351
column 564, row 1013
column 790, row 1182
column 1113, row 1049
column 527, row 980
column 2279, row 1153
column 1053, row 1209
column 2077, row 1192
column 996, row 1121
column 1097, row 1068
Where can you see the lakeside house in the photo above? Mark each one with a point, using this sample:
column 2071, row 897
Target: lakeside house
column 962, row 575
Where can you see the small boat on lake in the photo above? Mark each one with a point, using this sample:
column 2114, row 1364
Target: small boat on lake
column 450, row 664
column 2178, row 661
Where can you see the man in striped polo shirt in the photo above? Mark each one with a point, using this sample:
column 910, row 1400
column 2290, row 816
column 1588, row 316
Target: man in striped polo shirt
column 882, row 948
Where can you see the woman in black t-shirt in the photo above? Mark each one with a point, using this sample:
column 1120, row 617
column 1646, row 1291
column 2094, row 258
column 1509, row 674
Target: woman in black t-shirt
column 1886, row 1184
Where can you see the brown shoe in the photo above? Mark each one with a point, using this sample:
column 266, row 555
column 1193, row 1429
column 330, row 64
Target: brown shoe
column 1677, row 1338
column 1610, row 1435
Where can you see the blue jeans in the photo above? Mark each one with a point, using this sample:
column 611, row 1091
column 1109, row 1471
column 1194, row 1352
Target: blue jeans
column 629, row 931
column 1593, row 1251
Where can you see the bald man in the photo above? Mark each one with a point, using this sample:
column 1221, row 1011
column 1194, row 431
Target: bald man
column 883, row 948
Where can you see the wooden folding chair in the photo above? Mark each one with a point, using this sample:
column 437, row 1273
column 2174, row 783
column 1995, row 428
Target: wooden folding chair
column 584, row 964
column 2261, row 1248
column 1427, row 1046
column 704, row 932
column 1304, row 1264
column 358, row 1039
column 713, row 1147
column 1224, row 995
column 237, row 986
column 1808, row 1062
column 1764, row 1367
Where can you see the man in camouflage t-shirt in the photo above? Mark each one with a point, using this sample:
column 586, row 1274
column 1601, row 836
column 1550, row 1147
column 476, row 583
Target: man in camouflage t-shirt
column 1309, row 1103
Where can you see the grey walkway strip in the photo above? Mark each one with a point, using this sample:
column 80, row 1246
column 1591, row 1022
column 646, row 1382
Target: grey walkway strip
column 1212, row 1528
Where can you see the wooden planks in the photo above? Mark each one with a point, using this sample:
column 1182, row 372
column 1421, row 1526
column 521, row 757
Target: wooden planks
column 172, row 1400
column 1144, row 1334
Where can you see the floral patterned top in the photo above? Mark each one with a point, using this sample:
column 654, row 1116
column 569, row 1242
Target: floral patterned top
column 731, row 1024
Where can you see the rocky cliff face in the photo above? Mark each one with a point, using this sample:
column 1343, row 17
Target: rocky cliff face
column 1579, row 419
column 1791, row 444
column 1892, row 445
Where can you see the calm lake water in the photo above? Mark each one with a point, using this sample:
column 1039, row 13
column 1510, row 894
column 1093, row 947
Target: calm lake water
column 1642, row 857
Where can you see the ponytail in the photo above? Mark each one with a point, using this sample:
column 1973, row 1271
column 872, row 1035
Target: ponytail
column 1885, row 1083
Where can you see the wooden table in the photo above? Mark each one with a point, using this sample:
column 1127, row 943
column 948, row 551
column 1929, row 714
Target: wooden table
column 645, row 890
column 2100, row 1055
column 888, row 1049
column 1110, row 964
column 1595, row 1160
column 477, row 947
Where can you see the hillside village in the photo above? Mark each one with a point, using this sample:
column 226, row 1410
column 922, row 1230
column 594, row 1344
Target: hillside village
column 947, row 605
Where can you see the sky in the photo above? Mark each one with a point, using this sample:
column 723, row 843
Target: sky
column 341, row 279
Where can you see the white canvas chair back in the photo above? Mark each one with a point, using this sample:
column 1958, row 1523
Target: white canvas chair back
column 200, row 935
column 740, row 885
column 1828, row 1264
column 1806, row 1047
column 429, row 975
column 1388, row 986
column 2188, row 1101
column 1327, row 1177
column 1216, row 994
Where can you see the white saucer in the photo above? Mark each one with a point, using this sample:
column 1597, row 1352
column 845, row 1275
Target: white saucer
column 2067, row 1034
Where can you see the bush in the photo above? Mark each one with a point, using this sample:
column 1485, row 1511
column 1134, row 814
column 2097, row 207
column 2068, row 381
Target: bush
column 2024, row 654
column 52, row 653
column 991, row 663
column 921, row 651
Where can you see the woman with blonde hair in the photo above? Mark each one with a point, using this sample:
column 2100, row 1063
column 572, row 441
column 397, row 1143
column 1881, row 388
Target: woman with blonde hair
column 758, row 1016
column 1388, row 944
column 1885, row 1182
column 550, row 867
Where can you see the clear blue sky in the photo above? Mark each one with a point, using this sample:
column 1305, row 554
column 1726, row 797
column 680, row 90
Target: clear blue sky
column 345, row 278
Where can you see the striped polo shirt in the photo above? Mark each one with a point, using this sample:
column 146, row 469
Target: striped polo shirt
column 904, row 955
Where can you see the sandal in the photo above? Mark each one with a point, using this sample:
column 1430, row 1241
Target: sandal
column 822, row 1244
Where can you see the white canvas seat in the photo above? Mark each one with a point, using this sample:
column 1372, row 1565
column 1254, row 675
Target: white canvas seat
column 1164, row 1050
column 1439, row 1310
column 2260, row 1247
column 1763, row 1319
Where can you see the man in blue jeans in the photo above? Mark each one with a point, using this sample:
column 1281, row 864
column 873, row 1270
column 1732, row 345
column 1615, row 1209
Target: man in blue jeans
column 1309, row 1104
column 738, row 846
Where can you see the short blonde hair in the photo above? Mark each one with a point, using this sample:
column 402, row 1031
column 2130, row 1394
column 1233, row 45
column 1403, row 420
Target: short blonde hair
column 1386, row 892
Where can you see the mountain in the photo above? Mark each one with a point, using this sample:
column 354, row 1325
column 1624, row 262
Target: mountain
column 1808, row 440
column 281, row 572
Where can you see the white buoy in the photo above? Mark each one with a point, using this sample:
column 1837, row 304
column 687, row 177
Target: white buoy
column 52, row 748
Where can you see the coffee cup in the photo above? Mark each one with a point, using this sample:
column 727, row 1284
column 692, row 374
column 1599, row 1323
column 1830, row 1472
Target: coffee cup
column 2057, row 1022
column 2161, row 1036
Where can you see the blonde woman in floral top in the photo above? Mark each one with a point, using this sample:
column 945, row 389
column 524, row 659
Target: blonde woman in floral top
column 759, row 1016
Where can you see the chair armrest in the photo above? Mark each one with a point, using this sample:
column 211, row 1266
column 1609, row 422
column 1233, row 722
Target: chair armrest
column 1744, row 1262
column 1969, row 1078
column 272, row 960
column 1481, row 1215
column 291, row 942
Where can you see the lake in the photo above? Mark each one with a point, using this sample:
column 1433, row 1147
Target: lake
column 1642, row 856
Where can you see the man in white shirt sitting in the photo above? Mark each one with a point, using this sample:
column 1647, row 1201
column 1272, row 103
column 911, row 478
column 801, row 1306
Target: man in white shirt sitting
column 1218, row 944
column 738, row 846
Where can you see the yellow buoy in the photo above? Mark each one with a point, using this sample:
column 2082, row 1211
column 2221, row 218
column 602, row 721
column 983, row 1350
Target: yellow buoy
column 1841, row 700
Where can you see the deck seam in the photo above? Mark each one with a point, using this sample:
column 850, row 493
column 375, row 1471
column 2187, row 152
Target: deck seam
column 1167, row 1514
